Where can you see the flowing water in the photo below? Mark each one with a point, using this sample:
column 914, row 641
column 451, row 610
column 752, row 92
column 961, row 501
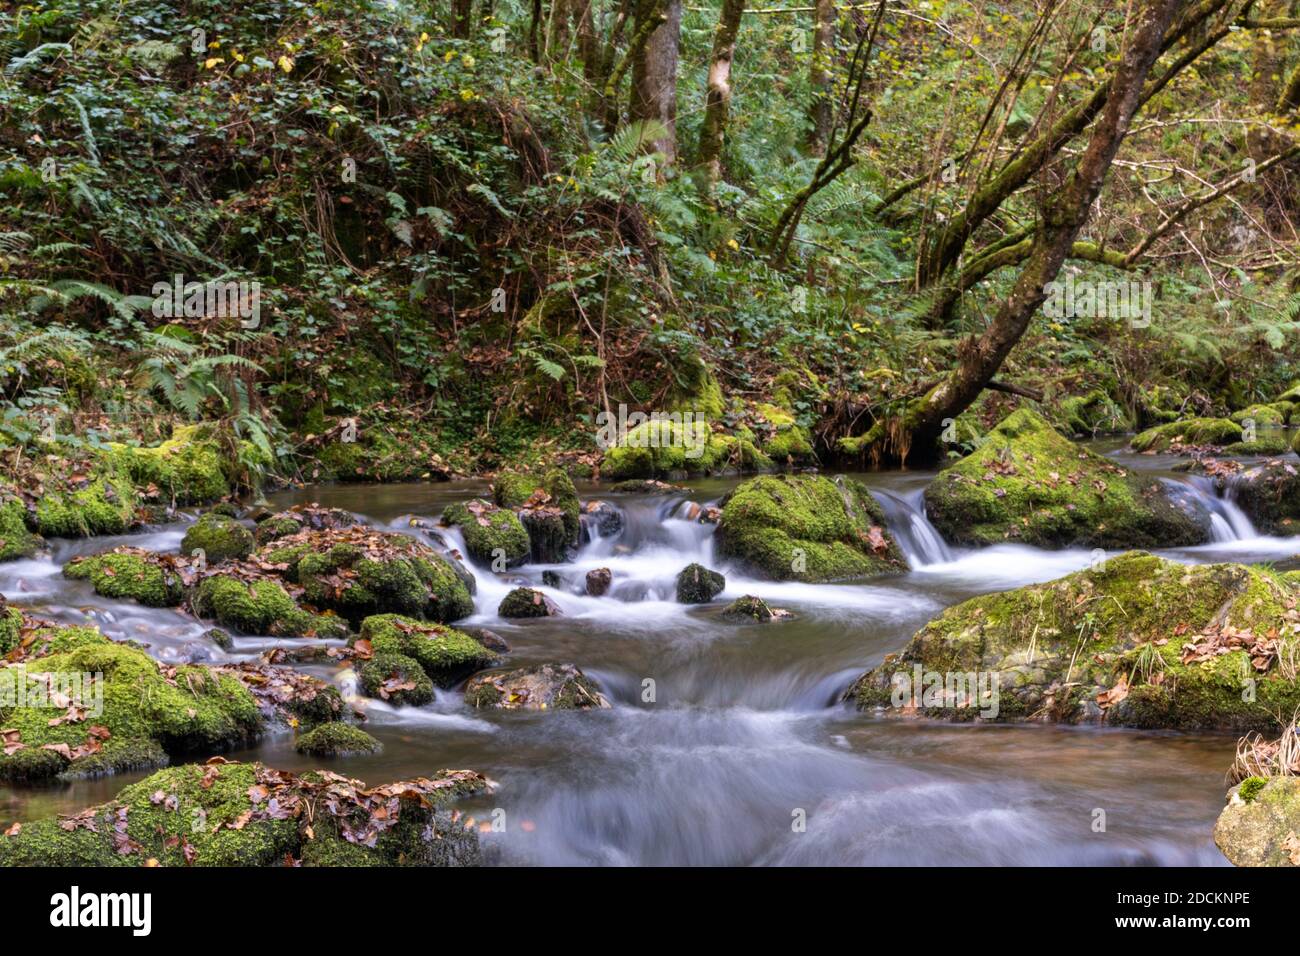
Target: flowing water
column 745, row 736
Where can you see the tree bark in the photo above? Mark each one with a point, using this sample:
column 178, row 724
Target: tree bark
column 717, row 101
column 654, row 75
column 1063, row 213
column 821, row 75
column 462, row 12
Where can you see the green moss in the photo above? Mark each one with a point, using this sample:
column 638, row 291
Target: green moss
column 1261, row 831
column 260, row 607
column 1056, row 649
column 1250, row 787
column 696, row 584
column 187, row 468
column 276, row 526
column 807, row 528
column 1263, row 415
column 447, row 655
column 105, row 504
column 221, row 815
column 129, row 574
column 1191, row 431
column 1025, row 482
column 1092, row 414
column 148, row 711
column 789, row 442
column 514, row 489
column 11, row 627
column 526, row 602
column 336, row 740
column 15, row 540
column 1261, row 446
column 489, row 532
column 219, row 538
column 397, row 679
column 542, row 687
column 667, row 449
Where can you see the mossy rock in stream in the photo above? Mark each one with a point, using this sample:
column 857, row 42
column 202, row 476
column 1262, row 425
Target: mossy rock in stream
column 527, row 602
column 15, row 540
column 669, row 449
column 1260, row 826
column 1269, row 494
column 1188, row 432
column 336, row 740
column 219, row 538
column 396, row 678
column 309, row 517
column 247, row 814
column 1260, row 447
column 1137, row 641
column 446, row 654
column 697, row 584
column 357, row 572
column 807, row 528
column 260, row 606
column 102, row 502
column 133, row 574
column 1027, row 483
column 118, row 710
column 490, row 533
column 1264, row 416
column 188, row 468
column 541, row 687
column 523, row 492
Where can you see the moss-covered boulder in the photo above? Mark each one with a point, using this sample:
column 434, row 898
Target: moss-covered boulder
column 1136, row 641
column 219, row 538
column 126, row 573
column 548, row 506
column 494, row 536
column 446, row 655
column 696, row 584
column 1094, row 413
column 668, row 449
column 1270, row 445
column 807, row 528
column 543, row 687
column 77, row 704
column 752, row 608
column 99, row 500
column 247, row 814
column 308, row 517
column 1026, row 482
column 15, row 540
column 1188, row 433
column 336, row 740
column 782, row 438
column 527, row 602
column 1264, row 416
column 1260, row 826
column 257, row 604
column 396, row 678
column 188, row 468
column 358, row 571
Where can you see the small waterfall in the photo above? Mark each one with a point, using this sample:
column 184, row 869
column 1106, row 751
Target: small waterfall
column 1227, row 521
column 919, row 540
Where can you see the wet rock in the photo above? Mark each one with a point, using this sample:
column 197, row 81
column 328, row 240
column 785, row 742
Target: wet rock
column 1027, row 483
column 285, row 696
column 336, row 740
column 538, row 499
column 489, row 639
column 220, row 638
column 446, row 655
column 605, row 518
column 598, row 581
column 308, row 517
column 543, row 687
column 494, row 537
column 647, row 486
column 219, row 538
column 253, row 815
column 527, row 602
column 125, row 573
column 133, row 715
column 1260, row 826
column 225, row 509
column 396, row 678
column 696, row 584
column 552, row 579
column 548, row 535
column 807, row 528
column 1190, row 432
column 1269, row 494
column 751, row 608
column 1136, row 641
column 258, row 605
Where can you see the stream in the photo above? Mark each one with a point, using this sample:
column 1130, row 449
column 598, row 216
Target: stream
column 745, row 735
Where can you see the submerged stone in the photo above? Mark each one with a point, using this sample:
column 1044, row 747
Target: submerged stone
column 807, row 528
column 1026, row 482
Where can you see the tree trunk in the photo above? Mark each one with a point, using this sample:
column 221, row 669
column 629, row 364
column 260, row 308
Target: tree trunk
column 462, row 12
column 717, row 101
column 654, row 75
column 1063, row 213
column 821, row 75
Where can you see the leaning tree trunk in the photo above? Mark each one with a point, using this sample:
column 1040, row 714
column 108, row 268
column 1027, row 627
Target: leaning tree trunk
column 820, row 75
column 717, row 101
column 1063, row 213
column 654, row 75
